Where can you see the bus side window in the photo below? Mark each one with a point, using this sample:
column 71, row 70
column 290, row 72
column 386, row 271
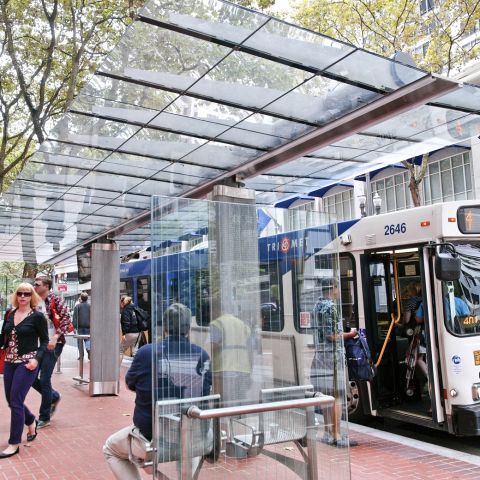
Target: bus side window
column 143, row 293
column 348, row 291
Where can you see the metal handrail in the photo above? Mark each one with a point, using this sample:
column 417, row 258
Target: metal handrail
column 317, row 400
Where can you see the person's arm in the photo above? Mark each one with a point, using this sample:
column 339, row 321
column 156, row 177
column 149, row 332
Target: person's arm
column 41, row 328
column 141, row 361
column 75, row 316
column 204, row 369
column 64, row 318
column 419, row 314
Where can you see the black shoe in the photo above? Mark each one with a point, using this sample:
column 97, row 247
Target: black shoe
column 7, row 455
column 32, row 436
column 43, row 423
column 54, row 406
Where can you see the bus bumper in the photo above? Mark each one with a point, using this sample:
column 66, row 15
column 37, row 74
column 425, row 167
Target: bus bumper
column 466, row 419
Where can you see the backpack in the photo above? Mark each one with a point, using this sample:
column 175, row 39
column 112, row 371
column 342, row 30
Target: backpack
column 359, row 359
column 142, row 317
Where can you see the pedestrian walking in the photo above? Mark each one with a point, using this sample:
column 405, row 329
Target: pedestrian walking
column 58, row 317
column 81, row 321
column 24, row 337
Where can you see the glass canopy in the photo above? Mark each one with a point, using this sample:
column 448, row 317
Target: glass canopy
column 198, row 92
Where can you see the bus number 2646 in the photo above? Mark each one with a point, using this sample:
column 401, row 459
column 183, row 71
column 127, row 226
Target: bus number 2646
column 394, row 228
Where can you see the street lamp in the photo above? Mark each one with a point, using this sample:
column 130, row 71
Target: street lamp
column 377, row 203
column 362, row 200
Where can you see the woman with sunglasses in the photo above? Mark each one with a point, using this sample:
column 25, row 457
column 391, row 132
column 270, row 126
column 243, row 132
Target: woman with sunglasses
column 24, row 337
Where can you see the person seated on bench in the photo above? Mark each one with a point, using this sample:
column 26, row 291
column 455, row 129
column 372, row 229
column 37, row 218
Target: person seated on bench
column 182, row 366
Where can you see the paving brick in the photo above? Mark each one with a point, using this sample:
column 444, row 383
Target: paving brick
column 71, row 448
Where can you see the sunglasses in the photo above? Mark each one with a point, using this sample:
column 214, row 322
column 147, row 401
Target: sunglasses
column 24, row 294
column 37, row 284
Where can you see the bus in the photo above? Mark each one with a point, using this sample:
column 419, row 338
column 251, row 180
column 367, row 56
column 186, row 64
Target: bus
column 436, row 247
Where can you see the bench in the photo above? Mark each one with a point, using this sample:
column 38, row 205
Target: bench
column 187, row 430
column 297, row 425
column 179, row 442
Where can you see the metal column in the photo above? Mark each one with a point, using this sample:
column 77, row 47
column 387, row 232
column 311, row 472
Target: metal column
column 105, row 320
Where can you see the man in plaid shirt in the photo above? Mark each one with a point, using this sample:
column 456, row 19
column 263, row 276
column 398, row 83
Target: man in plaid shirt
column 59, row 320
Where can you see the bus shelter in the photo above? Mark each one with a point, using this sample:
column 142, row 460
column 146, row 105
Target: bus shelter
column 200, row 97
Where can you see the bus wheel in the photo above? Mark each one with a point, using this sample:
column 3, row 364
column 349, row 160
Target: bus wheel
column 354, row 402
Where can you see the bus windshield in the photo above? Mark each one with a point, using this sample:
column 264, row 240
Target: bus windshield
column 462, row 297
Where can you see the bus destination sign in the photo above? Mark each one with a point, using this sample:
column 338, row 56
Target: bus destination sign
column 468, row 219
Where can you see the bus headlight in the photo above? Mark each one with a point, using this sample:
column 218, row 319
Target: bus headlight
column 476, row 391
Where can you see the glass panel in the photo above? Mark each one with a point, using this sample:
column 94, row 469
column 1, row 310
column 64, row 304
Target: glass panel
column 128, row 93
column 381, row 73
column 173, row 63
column 321, row 100
column 435, row 187
column 252, row 308
column 249, row 81
column 447, row 187
column 458, row 180
column 215, row 19
column 301, row 46
column 467, row 97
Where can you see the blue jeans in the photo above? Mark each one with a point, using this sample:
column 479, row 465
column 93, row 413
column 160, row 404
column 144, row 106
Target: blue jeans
column 84, row 331
column 17, row 380
column 43, row 383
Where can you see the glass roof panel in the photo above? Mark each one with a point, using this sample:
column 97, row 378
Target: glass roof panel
column 177, row 60
column 52, row 160
column 220, row 155
column 467, row 97
column 321, row 100
column 337, row 153
column 128, row 93
column 88, row 153
column 248, row 81
column 108, row 182
column 112, row 110
column 187, row 125
column 169, row 146
column 382, row 73
column 288, row 42
column 303, row 166
column 135, row 165
column 154, row 187
column 96, row 132
column 215, row 19
column 414, row 121
column 276, row 127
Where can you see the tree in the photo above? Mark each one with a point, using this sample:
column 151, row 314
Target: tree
column 434, row 38
column 385, row 27
column 48, row 48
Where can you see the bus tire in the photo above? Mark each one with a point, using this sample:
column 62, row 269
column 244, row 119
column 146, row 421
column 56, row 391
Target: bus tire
column 354, row 402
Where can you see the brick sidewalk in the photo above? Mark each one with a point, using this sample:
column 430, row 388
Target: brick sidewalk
column 71, row 448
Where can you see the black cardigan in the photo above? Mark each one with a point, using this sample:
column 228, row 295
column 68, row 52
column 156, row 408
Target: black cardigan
column 29, row 331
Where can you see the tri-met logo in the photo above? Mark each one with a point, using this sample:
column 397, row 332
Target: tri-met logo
column 286, row 244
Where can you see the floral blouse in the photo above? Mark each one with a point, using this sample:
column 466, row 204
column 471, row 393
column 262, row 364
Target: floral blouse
column 11, row 355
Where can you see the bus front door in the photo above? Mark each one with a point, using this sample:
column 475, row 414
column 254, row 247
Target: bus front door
column 379, row 301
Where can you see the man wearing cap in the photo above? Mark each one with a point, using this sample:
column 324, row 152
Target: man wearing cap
column 325, row 372
column 183, row 372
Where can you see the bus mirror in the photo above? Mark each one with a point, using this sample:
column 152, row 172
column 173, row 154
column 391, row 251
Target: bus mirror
column 447, row 267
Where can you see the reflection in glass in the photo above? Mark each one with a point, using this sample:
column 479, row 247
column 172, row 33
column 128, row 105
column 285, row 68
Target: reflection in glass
column 251, row 287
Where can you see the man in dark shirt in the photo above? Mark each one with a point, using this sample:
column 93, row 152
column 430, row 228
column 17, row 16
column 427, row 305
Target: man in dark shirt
column 183, row 372
column 81, row 320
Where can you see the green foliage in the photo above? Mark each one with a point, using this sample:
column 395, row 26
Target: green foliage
column 257, row 4
column 387, row 26
column 48, row 49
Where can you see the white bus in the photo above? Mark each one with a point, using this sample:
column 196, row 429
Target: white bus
column 437, row 248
